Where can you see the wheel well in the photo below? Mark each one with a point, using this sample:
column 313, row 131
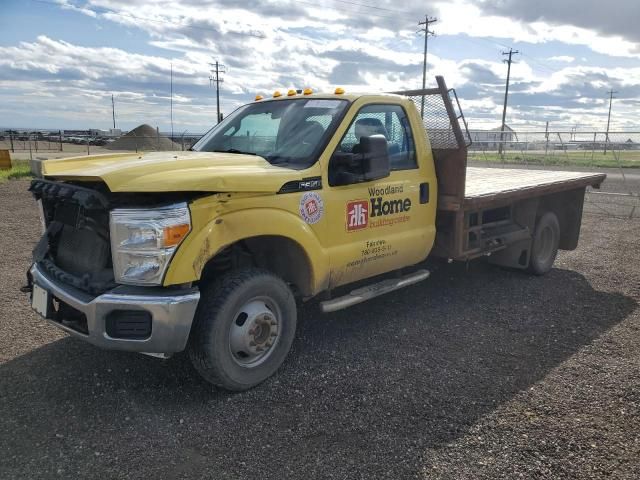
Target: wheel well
column 280, row 255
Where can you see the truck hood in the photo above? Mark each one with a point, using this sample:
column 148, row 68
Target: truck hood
column 174, row 172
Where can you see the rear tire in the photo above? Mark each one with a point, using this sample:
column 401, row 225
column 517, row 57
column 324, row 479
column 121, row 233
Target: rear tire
column 243, row 328
column 544, row 249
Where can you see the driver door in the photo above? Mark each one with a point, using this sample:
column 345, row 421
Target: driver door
column 379, row 225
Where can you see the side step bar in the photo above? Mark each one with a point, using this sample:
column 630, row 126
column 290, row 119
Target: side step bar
column 374, row 290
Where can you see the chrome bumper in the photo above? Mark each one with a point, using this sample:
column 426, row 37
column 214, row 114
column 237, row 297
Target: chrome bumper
column 171, row 314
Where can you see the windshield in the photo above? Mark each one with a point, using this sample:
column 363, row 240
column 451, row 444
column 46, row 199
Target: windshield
column 290, row 133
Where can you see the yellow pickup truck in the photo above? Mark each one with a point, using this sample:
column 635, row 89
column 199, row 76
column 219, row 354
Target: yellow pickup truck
column 288, row 198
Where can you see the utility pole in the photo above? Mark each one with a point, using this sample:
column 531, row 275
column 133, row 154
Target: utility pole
column 113, row 111
column 546, row 137
column 506, row 95
column 606, row 140
column 427, row 21
column 214, row 77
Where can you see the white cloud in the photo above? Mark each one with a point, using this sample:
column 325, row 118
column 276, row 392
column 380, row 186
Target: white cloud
column 282, row 44
column 563, row 58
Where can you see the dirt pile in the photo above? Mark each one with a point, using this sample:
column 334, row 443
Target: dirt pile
column 143, row 138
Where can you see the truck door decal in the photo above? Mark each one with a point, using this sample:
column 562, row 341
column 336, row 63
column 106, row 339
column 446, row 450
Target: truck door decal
column 357, row 215
column 311, row 207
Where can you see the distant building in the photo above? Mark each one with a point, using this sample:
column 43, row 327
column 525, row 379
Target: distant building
column 490, row 139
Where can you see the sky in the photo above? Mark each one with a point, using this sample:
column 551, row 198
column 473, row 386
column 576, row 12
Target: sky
column 62, row 60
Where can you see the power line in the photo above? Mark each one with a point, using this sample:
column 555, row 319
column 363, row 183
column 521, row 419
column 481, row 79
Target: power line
column 506, row 95
column 427, row 21
column 611, row 92
column 373, row 7
column 404, row 13
column 214, row 77
column 539, row 63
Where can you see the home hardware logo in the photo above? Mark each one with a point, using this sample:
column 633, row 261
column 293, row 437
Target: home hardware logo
column 359, row 211
column 357, row 215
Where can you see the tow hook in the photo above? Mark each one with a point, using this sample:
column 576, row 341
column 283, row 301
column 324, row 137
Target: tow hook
column 28, row 288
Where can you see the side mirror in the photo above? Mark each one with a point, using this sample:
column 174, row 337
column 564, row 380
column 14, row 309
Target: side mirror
column 375, row 157
column 370, row 163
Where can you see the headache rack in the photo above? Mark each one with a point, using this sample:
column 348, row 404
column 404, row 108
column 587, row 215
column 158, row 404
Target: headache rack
column 441, row 115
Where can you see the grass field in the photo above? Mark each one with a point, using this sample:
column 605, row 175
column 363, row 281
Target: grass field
column 625, row 159
column 19, row 171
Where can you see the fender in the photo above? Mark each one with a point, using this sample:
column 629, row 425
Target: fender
column 205, row 242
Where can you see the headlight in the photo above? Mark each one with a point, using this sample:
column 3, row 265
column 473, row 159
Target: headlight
column 144, row 240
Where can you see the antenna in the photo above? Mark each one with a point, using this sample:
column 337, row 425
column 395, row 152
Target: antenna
column 171, row 101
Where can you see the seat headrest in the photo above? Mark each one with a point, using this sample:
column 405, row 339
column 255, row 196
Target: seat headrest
column 365, row 127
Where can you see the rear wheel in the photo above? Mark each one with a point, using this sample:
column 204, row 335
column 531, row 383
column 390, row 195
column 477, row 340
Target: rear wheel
column 243, row 329
column 546, row 239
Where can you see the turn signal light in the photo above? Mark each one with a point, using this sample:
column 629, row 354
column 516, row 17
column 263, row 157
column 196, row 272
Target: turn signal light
column 174, row 234
column 339, row 91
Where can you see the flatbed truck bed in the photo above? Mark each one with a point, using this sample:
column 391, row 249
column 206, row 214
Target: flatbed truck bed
column 490, row 186
column 492, row 211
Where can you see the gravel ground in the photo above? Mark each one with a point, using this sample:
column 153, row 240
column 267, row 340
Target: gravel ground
column 477, row 373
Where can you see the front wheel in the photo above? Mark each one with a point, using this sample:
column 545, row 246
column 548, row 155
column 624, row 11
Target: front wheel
column 243, row 328
column 546, row 239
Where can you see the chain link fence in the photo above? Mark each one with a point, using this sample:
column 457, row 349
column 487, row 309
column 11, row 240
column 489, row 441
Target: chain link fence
column 30, row 143
column 617, row 152
column 577, row 148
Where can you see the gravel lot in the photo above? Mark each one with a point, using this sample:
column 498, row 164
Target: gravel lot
column 477, row 373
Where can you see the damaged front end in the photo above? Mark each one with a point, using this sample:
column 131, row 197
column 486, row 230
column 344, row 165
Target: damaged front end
column 75, row 247
column 72, row 280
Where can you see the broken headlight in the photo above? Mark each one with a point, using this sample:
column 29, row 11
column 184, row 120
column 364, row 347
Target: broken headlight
column 143, row 241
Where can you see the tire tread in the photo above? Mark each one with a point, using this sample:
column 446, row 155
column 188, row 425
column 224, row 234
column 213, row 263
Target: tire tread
column 212, row 299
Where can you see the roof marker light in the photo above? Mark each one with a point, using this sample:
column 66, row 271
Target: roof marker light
column 339, row 91
column 308, row 91
column 291, row 93
column 277, row 94
column 259, row 97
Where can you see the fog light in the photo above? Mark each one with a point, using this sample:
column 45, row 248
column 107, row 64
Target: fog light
column 128, row 324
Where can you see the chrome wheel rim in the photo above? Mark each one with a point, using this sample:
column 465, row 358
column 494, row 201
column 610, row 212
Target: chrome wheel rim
column 254, row 332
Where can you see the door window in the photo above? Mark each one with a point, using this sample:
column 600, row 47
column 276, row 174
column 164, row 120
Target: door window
column 390, row 121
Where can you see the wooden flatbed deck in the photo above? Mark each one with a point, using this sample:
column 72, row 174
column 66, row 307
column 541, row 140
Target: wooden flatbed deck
column 489, row 186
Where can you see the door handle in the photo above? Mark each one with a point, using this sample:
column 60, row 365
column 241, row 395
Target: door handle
column 424, row 192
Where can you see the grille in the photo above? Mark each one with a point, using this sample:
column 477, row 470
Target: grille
column 81, row 251
column 75, row 248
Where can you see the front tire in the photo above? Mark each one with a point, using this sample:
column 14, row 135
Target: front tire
column 546, row 240
column 243, row 328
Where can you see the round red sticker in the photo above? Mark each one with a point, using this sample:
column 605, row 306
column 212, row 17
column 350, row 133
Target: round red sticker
column 311, row 207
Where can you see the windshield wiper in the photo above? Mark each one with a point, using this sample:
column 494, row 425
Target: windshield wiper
column 235, row 150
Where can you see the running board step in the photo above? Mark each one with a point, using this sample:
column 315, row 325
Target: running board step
column 374, row 290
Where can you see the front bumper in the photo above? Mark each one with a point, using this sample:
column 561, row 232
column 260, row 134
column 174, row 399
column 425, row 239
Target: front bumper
column 171, row 314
